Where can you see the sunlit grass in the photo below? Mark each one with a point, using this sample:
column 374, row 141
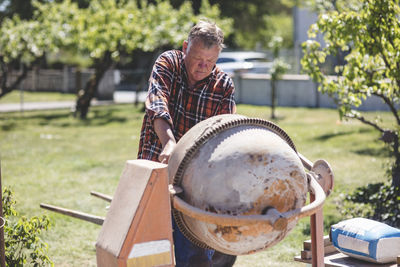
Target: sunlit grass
column 18, row 96
column 51, row 157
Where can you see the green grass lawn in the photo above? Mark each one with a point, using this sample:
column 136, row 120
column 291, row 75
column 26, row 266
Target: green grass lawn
column 51, row 157
column 17, row 96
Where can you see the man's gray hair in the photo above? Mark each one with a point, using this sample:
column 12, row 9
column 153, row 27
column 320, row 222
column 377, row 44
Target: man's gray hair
column 208, row 32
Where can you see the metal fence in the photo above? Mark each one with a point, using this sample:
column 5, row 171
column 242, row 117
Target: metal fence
column 70, row 80
column 67, row 80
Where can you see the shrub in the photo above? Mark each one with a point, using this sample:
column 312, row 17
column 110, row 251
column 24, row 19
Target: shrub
column 23, row 244
column 379, row 201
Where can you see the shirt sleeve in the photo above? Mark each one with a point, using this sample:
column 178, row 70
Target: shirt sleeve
column 228, row 101
column 159, row 89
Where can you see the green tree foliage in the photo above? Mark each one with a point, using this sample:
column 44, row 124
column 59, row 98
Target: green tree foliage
column 370, row 35
column 108, row 30
column 105, row 31
column 23, row 245
column 254, row 21
column 214, row 13
column 280, row 24
column 25, row 8
column 22, row 44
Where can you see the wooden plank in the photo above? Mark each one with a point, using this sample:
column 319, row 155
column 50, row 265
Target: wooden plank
column 76, row 214
column 307, row 255
column 138, row 223
column 317, row 236
column 152, row 223
column 123, row 208
column 330, row 249
column 307, row 243
column 101, row 195
column 153, row 253
column 342, row 260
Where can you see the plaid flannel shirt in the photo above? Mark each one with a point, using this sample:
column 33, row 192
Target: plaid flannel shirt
column 169, row 97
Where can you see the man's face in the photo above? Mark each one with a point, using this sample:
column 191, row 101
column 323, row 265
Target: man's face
column 199, row 60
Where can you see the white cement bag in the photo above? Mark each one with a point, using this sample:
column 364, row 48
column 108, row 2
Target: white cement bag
column 367, row 240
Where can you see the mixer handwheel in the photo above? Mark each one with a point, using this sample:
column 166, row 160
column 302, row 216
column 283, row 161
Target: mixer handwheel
column 324, row 175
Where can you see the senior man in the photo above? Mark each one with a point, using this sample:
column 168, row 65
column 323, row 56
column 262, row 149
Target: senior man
column 185, row 87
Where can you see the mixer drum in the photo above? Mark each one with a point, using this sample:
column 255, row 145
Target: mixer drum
column 235, row 166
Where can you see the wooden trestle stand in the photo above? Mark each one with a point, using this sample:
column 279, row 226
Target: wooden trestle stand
column 137, row 230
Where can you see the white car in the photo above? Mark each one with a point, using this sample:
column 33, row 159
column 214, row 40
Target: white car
column 244, row 61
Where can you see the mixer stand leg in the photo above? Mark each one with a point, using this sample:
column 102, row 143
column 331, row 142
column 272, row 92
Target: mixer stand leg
column 317, row 236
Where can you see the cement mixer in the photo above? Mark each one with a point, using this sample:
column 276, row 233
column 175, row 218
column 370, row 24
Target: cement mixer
column 242, row 185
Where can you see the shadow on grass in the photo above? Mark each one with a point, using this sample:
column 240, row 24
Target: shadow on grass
column 328, row 136
column 96, row 117
column 35, row 115
column 277, row 119
column 375, row 152
column 104, row 117
column 8, row 126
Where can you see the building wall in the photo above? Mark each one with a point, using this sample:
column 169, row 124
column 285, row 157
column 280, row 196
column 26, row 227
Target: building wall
column 302, row 20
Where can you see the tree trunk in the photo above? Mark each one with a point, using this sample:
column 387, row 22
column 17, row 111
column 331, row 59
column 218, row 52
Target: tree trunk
column 5, row 73
column 86, row 95
column 273, row 99
column 396, row 165
column 2, row 244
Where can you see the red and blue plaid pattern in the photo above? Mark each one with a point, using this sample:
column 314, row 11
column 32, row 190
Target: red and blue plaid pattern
column 169, row 97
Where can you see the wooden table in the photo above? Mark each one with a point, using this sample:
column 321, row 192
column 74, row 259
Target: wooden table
column 341, row 260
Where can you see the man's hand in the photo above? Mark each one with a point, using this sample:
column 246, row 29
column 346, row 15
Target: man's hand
column 164, row 133
column 166, row 152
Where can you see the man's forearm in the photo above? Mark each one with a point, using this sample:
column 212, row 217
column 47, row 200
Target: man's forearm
column 163, row 131
column 167, row 139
